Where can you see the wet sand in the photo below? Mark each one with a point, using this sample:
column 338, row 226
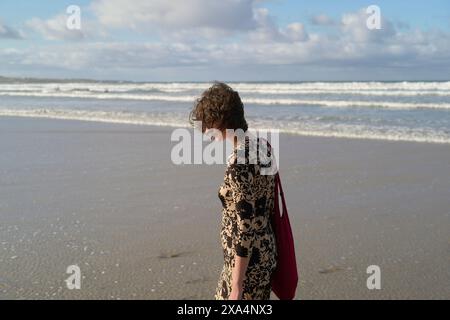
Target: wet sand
column 107, row 198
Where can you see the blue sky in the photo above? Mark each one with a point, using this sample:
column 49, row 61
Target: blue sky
column 238, row 40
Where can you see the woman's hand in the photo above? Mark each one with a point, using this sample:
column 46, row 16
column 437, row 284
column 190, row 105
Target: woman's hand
column 236, row 292
column 238, row 276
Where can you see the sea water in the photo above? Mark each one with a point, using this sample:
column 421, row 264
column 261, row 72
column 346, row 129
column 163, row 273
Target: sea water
column 402, row 111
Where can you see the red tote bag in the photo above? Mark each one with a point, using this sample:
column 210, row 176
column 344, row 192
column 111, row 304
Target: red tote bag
column 285, row 277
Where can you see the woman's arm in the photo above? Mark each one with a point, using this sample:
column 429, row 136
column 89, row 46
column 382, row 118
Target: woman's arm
column 237, row 277
column 242, row 183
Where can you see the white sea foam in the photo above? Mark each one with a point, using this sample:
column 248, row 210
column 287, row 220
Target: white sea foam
column 257, row 101
column 183, row 86
column 427, row 135
column 96, row 116
column 375, row 88
column 349, row 104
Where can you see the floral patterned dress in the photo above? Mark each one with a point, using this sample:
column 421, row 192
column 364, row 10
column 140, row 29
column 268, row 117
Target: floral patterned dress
column 247, row 198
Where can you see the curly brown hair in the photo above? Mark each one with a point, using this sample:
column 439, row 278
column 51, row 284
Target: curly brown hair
column 219, row 107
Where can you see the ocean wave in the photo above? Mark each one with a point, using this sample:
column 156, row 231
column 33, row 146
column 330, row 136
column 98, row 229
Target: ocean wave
column 398, row 93
column 101, row 96
column 414, row 85
column 256, row 92
column 392, row 136
column 376, row 88
column 422, row 135
column 349, row 104
column 256, row 101
column 95, row 116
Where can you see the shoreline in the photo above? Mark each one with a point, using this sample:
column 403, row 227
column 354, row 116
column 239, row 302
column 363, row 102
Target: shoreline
column 281, row 131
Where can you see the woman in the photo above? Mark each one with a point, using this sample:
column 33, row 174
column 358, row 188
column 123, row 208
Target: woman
column 247, row 197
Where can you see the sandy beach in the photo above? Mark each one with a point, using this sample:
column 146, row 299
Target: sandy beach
column 106, row 197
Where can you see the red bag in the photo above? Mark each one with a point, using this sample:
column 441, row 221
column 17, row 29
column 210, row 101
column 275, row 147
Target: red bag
column 285, row 278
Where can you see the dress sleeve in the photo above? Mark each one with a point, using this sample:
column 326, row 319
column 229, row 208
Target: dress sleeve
column 241, row 182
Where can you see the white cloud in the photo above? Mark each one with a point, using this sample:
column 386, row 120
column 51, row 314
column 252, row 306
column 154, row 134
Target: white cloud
column 55, row 28
column 175, row 14
column 355, row 25
column 107, row 55
column 263, row 44
column 406, row 50
column 267, row 30
column 322, row 20
column 295, row 32
column 196, row 20
column 7, row 32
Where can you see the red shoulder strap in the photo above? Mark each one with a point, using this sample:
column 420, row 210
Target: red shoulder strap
column 279, row 193
column 278, row 188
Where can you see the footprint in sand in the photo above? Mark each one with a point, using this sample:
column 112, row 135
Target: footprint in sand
column 330, row 269
column 198, row 280
column 166, row 255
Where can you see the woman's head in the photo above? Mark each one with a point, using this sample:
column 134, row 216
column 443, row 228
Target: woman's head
column 221, row 108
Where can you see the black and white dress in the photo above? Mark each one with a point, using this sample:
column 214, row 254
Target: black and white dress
column 247, row 198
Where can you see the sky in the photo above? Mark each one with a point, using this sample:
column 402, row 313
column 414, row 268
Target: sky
column 228, row 40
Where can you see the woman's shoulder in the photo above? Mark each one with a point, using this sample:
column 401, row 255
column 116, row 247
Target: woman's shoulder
column 252, row 153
